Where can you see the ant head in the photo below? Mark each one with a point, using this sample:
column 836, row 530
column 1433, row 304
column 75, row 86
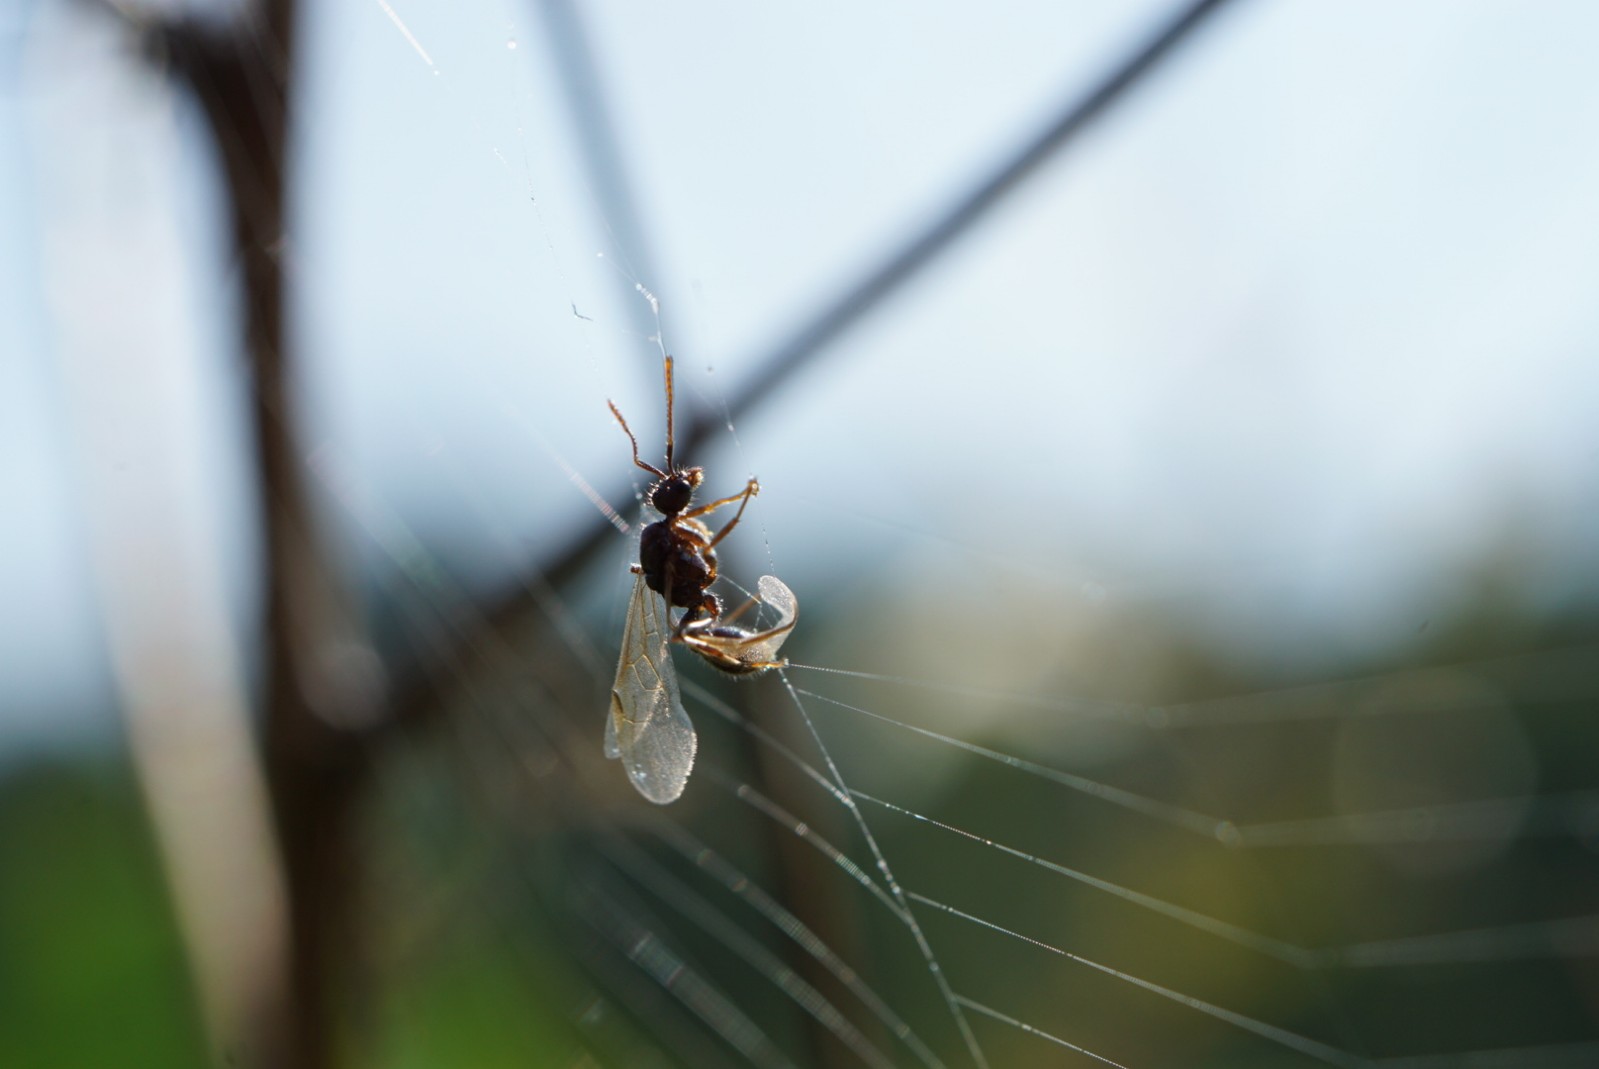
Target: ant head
column 673, row 493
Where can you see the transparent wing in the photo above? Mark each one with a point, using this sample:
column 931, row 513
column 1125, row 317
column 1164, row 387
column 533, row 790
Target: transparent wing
column 648, row 728
column 775, row 593
column 738, row 651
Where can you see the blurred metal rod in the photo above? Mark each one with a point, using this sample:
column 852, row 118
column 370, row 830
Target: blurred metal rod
column 514, row 608
column 866, row 293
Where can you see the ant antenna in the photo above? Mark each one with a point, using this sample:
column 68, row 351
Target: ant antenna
column 629, row 432
column 669, row 438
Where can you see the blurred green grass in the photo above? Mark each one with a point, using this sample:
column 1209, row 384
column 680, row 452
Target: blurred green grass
column 92, row 971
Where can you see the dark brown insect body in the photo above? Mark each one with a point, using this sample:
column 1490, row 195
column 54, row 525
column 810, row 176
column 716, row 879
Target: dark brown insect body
column 647, row 728
column 677, row 552
column 677, row 558
column 714, row 642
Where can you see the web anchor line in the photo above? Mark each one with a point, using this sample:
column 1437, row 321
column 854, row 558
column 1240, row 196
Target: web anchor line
column 926, row 948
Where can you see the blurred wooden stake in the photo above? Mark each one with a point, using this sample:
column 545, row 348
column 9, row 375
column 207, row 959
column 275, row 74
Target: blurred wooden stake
column 135, row 393
column 242, row 75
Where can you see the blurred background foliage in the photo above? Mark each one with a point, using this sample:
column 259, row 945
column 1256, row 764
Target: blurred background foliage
column 481, row 944
column 93, row 968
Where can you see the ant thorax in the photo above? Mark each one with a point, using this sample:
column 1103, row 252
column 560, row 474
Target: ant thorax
column 677, row 551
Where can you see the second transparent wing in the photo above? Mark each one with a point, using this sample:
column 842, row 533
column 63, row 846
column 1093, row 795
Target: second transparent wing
column 647, row 727
column 775, row 593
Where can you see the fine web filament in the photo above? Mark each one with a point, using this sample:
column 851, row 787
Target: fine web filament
column 719, row 869
column 648, row 875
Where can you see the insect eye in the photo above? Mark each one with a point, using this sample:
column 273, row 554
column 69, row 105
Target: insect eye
column 672, row 496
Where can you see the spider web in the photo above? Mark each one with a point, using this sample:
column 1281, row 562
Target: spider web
column 1022, row 800
column 1011, row 805
column 1053, row 779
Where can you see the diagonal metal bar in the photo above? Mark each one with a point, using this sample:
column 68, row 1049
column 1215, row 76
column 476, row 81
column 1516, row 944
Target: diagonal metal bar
column 516, row 608
column 863, row 295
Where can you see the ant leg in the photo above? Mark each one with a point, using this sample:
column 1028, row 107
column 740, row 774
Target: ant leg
column 748, row 492
column 743, row 499
column 706, row 613
column 651, row 468
column 733, row 654
column 666, row 593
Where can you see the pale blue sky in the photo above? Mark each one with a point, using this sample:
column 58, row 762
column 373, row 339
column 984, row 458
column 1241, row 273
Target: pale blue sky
column 1302, row 330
